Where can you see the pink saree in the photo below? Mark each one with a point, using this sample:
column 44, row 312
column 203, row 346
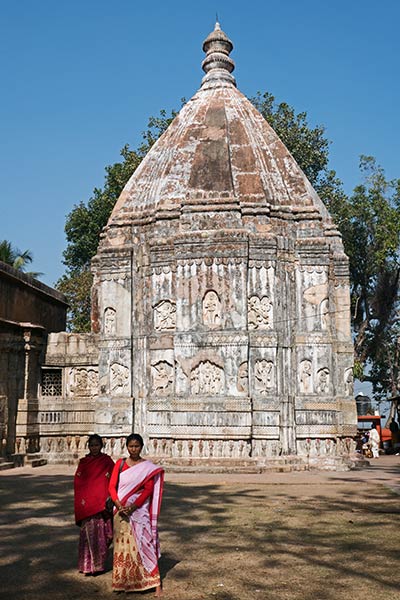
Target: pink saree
column 136, row 544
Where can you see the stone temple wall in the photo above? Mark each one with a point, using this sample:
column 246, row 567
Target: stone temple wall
column 67, row 395
column 220, row 303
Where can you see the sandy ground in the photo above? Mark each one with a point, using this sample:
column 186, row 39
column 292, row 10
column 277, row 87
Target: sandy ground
column 303, row 536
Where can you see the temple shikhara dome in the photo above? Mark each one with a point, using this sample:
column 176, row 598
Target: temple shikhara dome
column 219, row 164
column 220, row 303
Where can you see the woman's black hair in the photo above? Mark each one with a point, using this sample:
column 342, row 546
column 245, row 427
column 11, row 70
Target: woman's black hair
column 93, row 437
column 135, row 436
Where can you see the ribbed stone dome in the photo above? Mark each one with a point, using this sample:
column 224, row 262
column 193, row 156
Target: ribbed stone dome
column 218, row 155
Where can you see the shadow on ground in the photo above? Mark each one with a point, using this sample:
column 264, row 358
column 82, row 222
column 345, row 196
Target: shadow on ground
column 222, row 541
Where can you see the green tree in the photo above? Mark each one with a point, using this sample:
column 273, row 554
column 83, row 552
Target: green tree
column 77, row 287
column 308, row 145
column 371, row 233
column 17, row 259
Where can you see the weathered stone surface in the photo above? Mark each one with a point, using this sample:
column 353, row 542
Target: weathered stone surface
column 28, row 309
column 220, row 305
column 234, row 296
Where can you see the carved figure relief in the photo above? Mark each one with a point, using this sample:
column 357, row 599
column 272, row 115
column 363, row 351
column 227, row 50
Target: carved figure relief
column 163, row 377
column 324, row 314
column 243, row 378
column 323, row 381
column 315, row 294
column 348, row 382
column 259, row 313
column 119, row 379
column 315, row 304
column 305, row 377
column 109, row 320
column 181, row 377
column 165, row 316
column 83, row 382
column 211, row 309
column 207, row 379
column 264, row 376
column 119, row 419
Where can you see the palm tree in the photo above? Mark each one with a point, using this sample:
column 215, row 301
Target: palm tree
column 17, row 259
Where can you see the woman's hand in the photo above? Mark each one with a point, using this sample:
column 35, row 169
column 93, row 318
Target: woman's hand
column 126, row 510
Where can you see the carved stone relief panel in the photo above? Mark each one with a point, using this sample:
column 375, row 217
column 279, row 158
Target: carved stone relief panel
column 119, row 379
column 211, row 309
column 83, row 382
column 323, row 377
column 119, row 420
column 264, row 376
column 207, row 379
column 348, row 382
column 305, row 377
column 165, row 316
column 324, row 314
column 181, row 379
column 162, row 374
column 312, row 291
column 243, row 378
column 109, row 320
column 260, row 313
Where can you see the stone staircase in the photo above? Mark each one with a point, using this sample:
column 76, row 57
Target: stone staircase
column 228, row 465
column 35, row 459
column 30, row 459
column 5, row 464
column 278, row 464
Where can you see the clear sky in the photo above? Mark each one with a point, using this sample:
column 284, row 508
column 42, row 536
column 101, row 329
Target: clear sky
column 79, row 79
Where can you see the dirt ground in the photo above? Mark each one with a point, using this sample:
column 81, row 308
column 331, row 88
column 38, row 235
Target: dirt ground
column 298, row 536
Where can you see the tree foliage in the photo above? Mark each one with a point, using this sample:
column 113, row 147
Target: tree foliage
column 308, row 145
column 370, row 225
column 17, row 259
column 77, row 287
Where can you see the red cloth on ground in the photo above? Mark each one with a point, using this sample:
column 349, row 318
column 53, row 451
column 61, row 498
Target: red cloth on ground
column 147, row 488
column 91, row 485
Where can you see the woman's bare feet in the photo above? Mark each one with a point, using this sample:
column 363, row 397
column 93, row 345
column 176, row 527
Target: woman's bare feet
column 159, row 591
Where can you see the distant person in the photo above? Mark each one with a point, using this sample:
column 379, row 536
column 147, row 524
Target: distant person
column 136, row 489
column 91, row 483
column 374, row 441
column 394, row 428
column 359, row 443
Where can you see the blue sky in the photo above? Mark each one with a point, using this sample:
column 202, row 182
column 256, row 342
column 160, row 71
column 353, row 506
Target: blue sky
column 79, row 79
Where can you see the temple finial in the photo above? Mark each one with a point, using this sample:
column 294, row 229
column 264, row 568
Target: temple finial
column 217, row 64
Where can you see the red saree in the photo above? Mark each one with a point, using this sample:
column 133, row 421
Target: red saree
column 91, row 490
column 91, row 485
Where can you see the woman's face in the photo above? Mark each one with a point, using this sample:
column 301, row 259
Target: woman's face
column 94, row 447
column 134, row 449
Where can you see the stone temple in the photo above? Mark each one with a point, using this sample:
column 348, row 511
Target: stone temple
column 220, row 304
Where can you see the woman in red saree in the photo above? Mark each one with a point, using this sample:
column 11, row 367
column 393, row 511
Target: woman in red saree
column 136, row 490
column 91, row 482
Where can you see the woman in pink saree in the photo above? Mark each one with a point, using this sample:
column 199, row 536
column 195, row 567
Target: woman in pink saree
column 136, row 490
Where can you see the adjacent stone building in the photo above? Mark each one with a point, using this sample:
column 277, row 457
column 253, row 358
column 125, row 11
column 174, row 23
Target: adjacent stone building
column 221, row 322
column 28, row 311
